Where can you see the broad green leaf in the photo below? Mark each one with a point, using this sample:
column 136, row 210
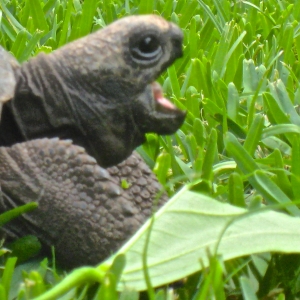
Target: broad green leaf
column 203, row 224
column 182, row 233
column 129, row 295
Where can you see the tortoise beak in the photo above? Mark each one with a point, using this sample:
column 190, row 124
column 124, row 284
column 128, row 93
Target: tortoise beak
column 167, row 117
column 156, row 113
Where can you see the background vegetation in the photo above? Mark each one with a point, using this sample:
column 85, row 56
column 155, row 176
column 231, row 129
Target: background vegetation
column 239, row 81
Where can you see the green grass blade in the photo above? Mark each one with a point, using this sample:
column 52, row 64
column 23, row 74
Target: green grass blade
column 187, row 13
column 31, row 45
column 7, row 274
column 232, row 102
column 254, row 134
column 210, row 156
column 146, row 7
column 272, row 193
column 174, row 81
column 207, row 9
column 38, row 16
column 89, row 8
column 240, row 155
column 13, row 213
column 66, row 24
column 19, row 44
column 282, row 179
column 236, row 190
column 280, row 94
column 295, row 168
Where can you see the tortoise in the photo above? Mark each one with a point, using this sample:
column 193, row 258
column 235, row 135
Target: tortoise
column 70, row 123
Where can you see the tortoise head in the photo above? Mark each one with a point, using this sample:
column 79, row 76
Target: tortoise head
column 100, row 90
column 122, row 63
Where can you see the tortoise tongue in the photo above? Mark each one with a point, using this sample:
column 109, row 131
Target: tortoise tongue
column 165, row 103
column 157, row 114
column 162, row 104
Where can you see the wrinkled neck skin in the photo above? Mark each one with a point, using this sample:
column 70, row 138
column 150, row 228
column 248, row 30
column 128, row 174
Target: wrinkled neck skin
column 73, row 105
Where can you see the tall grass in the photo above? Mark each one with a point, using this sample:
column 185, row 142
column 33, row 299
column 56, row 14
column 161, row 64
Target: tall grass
column 239, row 81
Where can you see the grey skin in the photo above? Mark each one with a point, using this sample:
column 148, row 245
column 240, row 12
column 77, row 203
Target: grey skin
column 97, row 90
column 68, row 115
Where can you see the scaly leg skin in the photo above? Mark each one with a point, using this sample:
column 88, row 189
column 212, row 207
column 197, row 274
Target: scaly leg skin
column 83, row 210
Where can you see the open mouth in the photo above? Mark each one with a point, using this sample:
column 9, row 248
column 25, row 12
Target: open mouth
column 155, row 113
column 162, row 104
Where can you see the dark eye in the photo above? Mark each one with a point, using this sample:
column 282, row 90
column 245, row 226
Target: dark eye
column 146, row 49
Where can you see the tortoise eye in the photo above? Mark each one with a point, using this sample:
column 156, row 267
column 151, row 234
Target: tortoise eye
column 146, row 49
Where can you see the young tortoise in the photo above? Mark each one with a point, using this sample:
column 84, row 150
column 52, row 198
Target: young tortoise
column 68, row 115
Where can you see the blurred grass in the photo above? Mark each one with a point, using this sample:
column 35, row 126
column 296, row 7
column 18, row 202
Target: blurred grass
column 239, row 75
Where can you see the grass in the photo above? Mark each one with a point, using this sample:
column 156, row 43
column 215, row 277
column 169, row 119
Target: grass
column 239, row 81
